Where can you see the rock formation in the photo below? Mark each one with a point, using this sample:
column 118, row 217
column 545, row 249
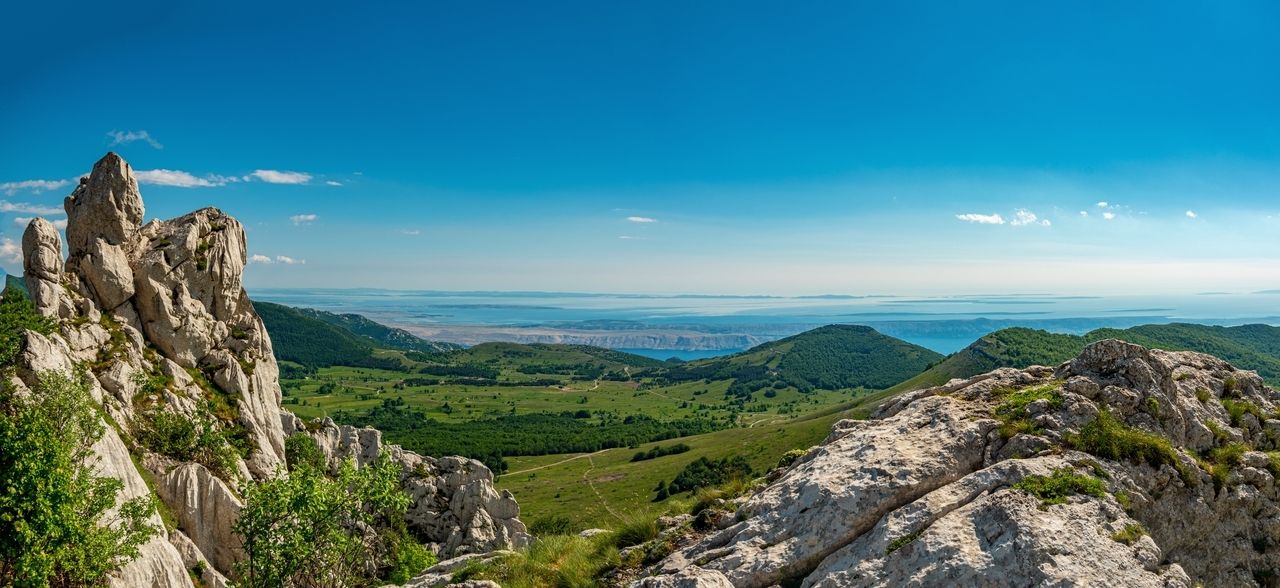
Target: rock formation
column 928, row 492
column 157, row 314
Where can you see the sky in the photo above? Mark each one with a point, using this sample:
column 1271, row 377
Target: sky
column 674, row 147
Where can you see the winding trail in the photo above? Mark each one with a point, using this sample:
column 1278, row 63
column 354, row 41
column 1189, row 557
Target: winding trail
column 580, row 456
column 603, row 502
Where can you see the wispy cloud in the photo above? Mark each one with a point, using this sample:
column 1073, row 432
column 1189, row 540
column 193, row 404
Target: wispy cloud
column 179, row 179
column 982, row 219
column 332, row 183
column 303, row 219
column 126, row 137
column 280, row 259
column 1191, row 214
column 23, row 220
column 410, row 232
column 1109, row 215
column 10, row 251
column 630, row 238
column 12, row 188
column 1102, row 204
column 1023, row 217
column 642, row 219
column 272, row 176
column 28, row 208
column 1084, row 213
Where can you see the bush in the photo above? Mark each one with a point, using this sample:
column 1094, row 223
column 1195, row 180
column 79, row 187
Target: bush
column 196, row 438
column 1108, row 438
column 53, row 524
column 1056, row 487
column 300, row 450
column 17, row 314
column 660, row 451
column 790, row 457
column 1130, row 534
column 703, row 472
column 636, row 530
column 310, row 529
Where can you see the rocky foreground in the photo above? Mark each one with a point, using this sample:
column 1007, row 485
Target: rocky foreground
column 156, row 315
column 1124, row 467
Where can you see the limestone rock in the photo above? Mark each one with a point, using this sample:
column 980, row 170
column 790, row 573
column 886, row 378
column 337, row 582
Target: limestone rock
column 106, row 205
column 453, row 501
column 206, row 509
column 924, row 493
column 42, row 266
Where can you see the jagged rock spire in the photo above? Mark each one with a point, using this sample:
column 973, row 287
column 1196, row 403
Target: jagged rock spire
column 106, row 205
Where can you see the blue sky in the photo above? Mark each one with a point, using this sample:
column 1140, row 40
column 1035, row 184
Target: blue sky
column 709, row 147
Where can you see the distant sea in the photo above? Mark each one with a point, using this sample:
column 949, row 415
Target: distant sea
column 697, row 326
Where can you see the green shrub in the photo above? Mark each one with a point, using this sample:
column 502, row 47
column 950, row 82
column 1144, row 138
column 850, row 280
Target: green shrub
column 196, row 438
column 1130, row 534
column 1056, row 487
column 1203, row 395
column 300, row 450
column 790, row 457
column 1108, row 438
column 53, row 524
column 18, row 314
column 310, row 529
column 408, row 558
column 564, row 561
column 1223, row 459
column 1229, row 386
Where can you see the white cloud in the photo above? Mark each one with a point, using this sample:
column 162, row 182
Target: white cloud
column 1023, row 216
column 23, row 220
column 332, row 183
column 12, row 188
column 178, row 179
column 1191, row 214
column 27, row 208
column 1108, row 215
column 303, row 219
column 255, row 258
column 630, row 238
column 272, row 176
column 10, row 251
column 1045, row 223
column 1103, row 204
column 642, row 219
column 285, row 259
column 982, row 219
column 126, row 137
column 1084, row 213
column 410, row 232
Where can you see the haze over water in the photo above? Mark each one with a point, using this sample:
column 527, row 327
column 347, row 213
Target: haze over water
column 712, row 325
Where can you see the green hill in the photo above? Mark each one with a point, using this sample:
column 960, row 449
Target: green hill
column 834, row 357
column 1253, row 347
column 303, row 339
column 379, row 334
column 15, row 282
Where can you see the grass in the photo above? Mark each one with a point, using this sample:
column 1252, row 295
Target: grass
column 563, row 561
column 902, row 541
column 1223, row 459
column 1012, row 410
column 1238, row 408
column 1060, row 484
column 567, row 484
column 1108, row 438
column 1130, row 534
column 1203, row 395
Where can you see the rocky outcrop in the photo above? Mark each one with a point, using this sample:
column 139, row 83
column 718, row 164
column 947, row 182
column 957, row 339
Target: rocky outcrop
column 453, row 502
column 157, row 314
column 941, row 487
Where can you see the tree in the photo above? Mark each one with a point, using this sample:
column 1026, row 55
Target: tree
column 309, row 529
column 17, row 314
column 54, row 528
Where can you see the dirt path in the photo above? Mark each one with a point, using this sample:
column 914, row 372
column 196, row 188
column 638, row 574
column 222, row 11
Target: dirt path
column 556, row 463
column 603, row 502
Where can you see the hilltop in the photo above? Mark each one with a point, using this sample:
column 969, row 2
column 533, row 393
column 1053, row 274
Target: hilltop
column 1255, row 347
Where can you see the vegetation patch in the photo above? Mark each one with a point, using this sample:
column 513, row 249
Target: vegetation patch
column 1012, row 410
column 703, row 473
column 1130, row 534
column 1203, row 395
column 564, row 560
column 1061, row 483
column 1238, row 408
column 902, row 541
column 660, row 451
column 1223, row 459
column 1108, row 438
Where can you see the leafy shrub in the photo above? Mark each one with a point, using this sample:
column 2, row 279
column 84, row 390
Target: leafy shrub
column 660, row 451
column 1061, row 483
column 300, row 450
column 309, row 529
column 53, row 528
column 196, row 438
column 1108, row 438
column 703, row 472
column 1238, row 408
column 790, row 457
column 18, row 314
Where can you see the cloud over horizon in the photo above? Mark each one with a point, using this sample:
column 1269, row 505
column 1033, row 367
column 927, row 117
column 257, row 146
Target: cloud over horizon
column 272, row 176
column 126, row 137
column 982, row 219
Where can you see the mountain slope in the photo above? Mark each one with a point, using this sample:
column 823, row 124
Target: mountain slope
column 1253, row 347
column 307, row 340
column 380, row 334
column 16, row 283
column 833, row 357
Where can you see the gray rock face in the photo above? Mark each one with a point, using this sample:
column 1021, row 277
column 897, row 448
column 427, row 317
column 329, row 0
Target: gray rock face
column 924, row 494
column 106, row 205
column 42, row 266
column 454, row 503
